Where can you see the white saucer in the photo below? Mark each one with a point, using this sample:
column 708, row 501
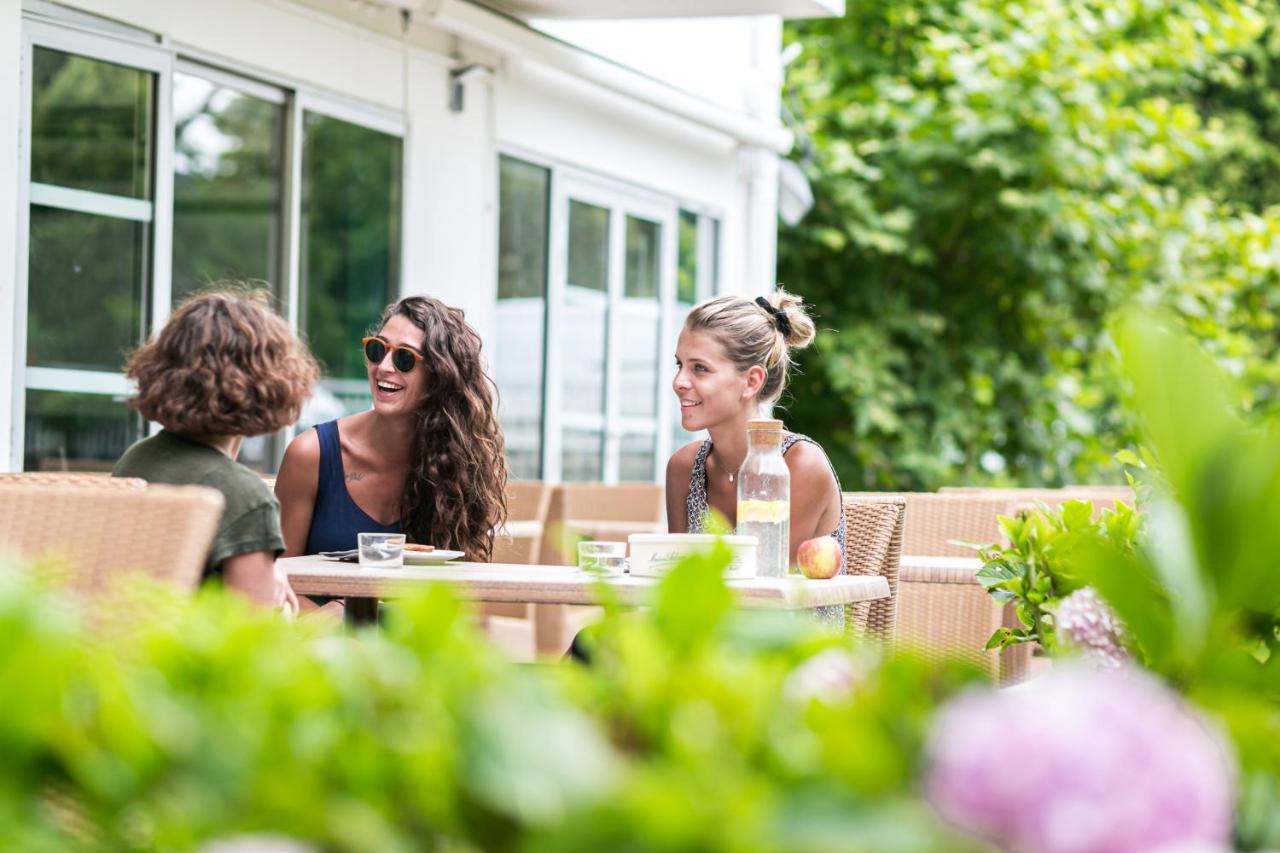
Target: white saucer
column 430, row 558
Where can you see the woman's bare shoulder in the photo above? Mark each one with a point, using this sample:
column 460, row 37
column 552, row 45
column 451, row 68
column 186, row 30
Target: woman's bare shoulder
column 682, row 459
column 305, row 447
column 300, row 468
column 808, row 462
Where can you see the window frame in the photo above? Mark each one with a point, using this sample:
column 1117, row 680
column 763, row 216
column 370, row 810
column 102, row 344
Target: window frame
column 621, row 201
column 157, row 212
column 50, row 27
column 609, row 192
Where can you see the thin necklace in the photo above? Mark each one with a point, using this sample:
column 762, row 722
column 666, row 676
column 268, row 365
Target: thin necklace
column 731, row 474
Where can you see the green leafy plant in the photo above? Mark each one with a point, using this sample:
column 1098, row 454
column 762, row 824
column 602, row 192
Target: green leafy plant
column 699, row 726
column 1034, row 570
column 992, row 182
column 1200, row 595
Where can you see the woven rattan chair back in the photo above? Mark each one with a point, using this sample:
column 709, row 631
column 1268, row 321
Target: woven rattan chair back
column 946, row 613
column 71, row 478
column 1102, row 497
column 620, row 509
column 528, row 502
column 873, row 529
column 100, row 534
column 936, row 523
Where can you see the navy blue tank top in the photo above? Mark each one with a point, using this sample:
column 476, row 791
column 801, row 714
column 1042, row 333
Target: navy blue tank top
column 336, row 519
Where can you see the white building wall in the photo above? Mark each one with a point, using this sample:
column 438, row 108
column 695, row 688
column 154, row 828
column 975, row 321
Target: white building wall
column 10, row 107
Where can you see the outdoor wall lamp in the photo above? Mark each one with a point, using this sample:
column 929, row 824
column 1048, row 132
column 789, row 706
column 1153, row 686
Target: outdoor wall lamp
column 458, row 78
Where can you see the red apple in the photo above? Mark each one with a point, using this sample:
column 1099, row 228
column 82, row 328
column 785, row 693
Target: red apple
column 820, row 558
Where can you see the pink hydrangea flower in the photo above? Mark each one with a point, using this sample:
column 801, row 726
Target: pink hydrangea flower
column 1082, row 760
column 1086, row 623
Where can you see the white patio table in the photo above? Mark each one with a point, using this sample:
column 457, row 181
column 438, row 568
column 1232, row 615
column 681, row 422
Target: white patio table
column 548, row 585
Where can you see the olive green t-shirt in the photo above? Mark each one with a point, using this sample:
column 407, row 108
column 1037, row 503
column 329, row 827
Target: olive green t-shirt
column 251, row 517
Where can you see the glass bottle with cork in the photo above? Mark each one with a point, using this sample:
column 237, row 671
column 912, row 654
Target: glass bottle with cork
column 764, row 497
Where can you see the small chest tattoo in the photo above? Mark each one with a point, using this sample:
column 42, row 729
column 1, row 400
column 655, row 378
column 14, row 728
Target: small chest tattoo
column 352, row 477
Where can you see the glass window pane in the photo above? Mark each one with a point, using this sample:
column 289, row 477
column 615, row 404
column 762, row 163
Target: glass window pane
column 524, row 191
column 715, row 257
column 687, row 268
column 679, row 435
column 351, row 240
column 583, row 351
column 636, row 461
column 90, row 124
column 77, row 432
column 586, row 308
column 640, row 326
column 87, row 277
column 523, row 196
column 643, row 239
column 582, row 456
column 638, row 358
column 588, row 246
column 226, row 185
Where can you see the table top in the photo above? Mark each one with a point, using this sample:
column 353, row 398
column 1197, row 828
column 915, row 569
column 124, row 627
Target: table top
column 537, row 584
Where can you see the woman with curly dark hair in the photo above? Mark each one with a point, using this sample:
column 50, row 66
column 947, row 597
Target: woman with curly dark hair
column 225, row 366
column 426, row 460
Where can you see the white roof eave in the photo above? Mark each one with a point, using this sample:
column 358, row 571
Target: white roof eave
column 514, row 38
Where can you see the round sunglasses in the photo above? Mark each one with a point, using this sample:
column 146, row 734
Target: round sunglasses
column 403, row 359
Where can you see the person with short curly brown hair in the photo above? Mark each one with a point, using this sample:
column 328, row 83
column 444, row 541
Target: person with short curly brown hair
column 224, row 367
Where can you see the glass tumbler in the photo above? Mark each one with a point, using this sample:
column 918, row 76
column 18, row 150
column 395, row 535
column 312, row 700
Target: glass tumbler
column 381, row 550
column 608, row 558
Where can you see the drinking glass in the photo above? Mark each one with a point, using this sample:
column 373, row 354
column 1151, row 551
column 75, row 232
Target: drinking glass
column 381, row 550
column 608, row 558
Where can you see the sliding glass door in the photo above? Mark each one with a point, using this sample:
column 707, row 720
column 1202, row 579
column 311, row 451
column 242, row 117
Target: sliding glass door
column 612, row 287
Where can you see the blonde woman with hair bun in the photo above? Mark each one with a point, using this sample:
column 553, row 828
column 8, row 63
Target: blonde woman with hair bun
column 733, row 360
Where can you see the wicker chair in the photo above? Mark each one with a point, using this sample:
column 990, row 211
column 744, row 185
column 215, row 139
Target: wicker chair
column 71, row 478
column 599, row 511
column 511, row 627
column 873, row 529
column 945, row 612
column 590, row 511
column 527, row 501
column 1103, row 497
column 105, row 532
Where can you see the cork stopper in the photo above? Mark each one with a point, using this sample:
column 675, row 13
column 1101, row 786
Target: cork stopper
column 764, row 431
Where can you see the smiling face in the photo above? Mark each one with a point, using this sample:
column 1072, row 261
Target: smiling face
column 709, row 387
column 395, row 392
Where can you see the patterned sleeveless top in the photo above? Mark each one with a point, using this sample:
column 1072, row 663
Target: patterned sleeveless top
column 696, row 509
column 696, row 503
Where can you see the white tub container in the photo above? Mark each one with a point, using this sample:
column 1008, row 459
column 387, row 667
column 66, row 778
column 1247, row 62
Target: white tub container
column 655, row 554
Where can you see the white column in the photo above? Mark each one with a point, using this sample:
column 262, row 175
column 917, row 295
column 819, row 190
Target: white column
column 10, row 109
column 759, row 167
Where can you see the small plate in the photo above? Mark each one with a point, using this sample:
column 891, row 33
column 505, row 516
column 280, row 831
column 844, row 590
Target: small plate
column 430, row 558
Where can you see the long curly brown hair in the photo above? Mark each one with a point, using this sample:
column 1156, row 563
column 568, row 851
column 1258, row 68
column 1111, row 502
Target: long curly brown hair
column 455, row 493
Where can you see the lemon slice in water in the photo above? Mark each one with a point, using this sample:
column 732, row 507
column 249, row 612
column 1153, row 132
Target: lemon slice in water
column 755, row 510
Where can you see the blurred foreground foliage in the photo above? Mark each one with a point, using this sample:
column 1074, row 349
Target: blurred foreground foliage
column 700, row 728
column 993, row 180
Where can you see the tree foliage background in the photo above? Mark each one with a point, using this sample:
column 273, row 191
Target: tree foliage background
column 993, row 181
